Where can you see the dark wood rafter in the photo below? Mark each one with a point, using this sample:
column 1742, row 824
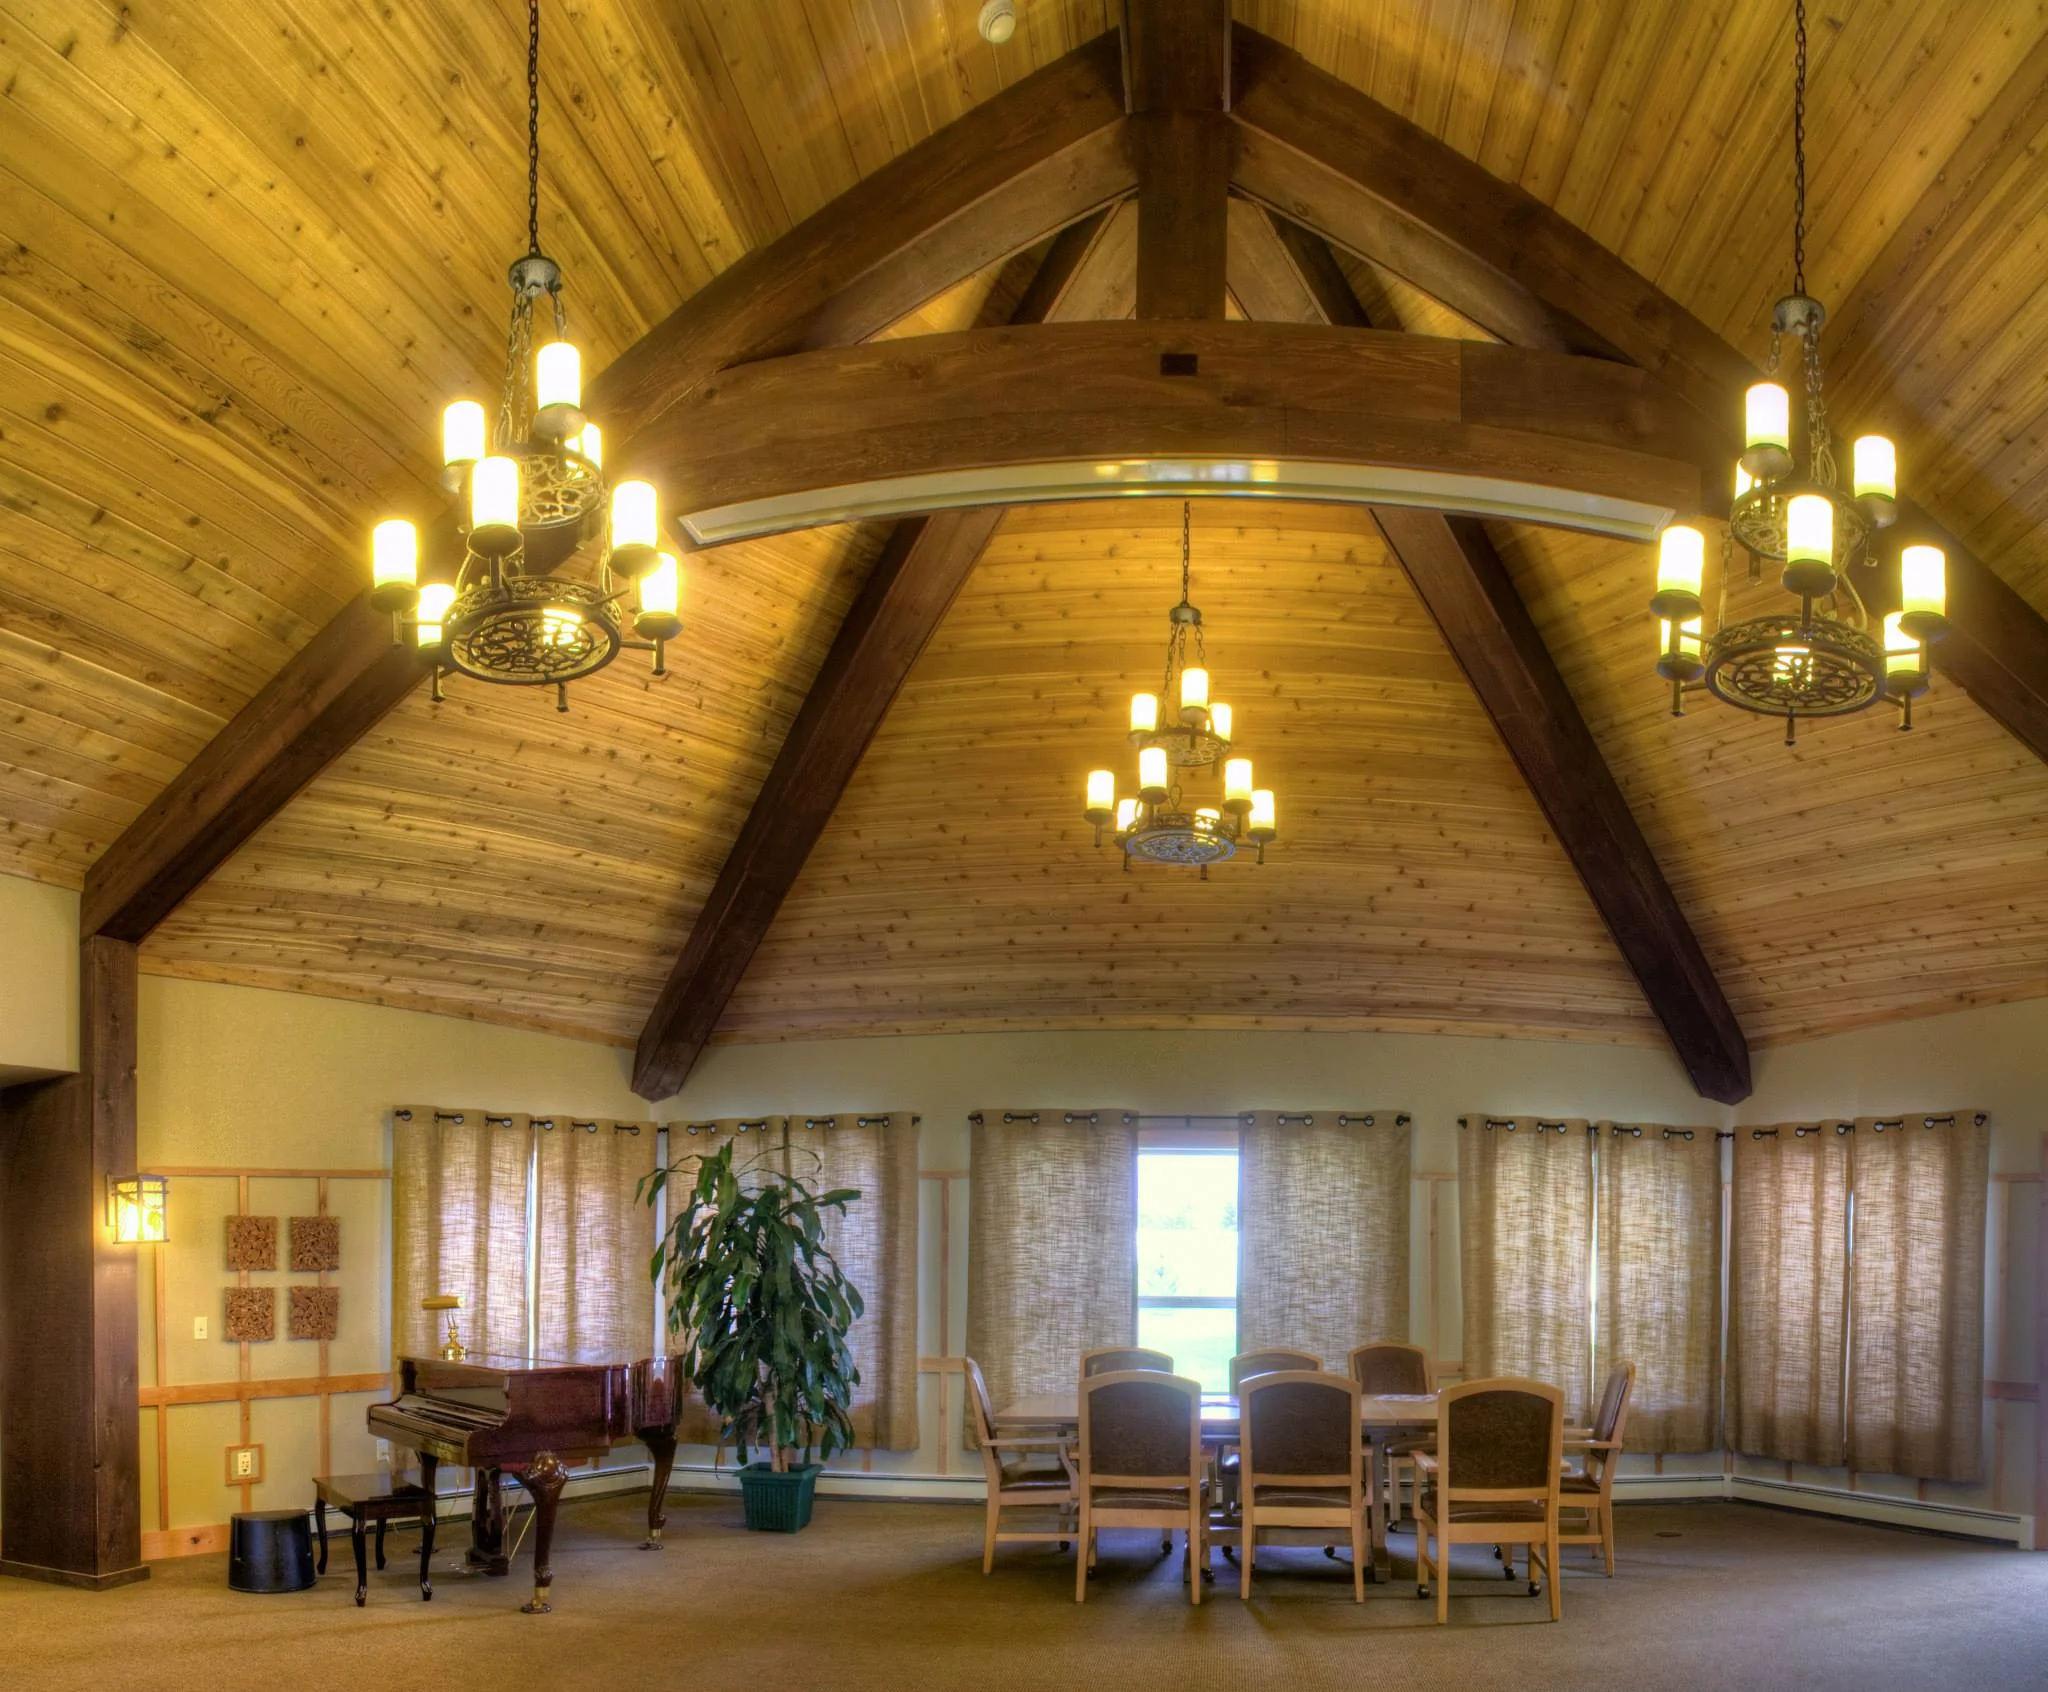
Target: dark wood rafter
column 822, row 436
column 1334, row 159
column 1177, row 81
column 1468, row 591
column 1336, row 298
column 327, row 696
column 1001, row 177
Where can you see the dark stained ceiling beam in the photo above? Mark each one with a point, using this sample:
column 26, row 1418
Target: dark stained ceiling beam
column 1177, row 80
column 997, row 179
column 914, row 581
column 1336, row 299
column 1336, row 160
column 326, row 698
column 1468, row 591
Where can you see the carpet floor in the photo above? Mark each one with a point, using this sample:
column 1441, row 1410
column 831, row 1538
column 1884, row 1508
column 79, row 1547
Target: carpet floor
column 883, row 1595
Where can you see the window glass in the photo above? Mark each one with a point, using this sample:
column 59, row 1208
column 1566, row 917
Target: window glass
column 1187, row 1260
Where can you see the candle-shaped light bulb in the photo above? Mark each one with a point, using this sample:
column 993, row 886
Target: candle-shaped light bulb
column 1152, row 773
column 1126, row 815
column 590, row 443
column 557, row 391
column 394, row 566
column 1809, row 545
column 1767, row 416
column 1923, row 591
column 1194, row 691
column 1744, row 481
column 494, row 505
column 1237, row 784
column 636, row 529
column 1681, row 567
column 1905, row 659
column 435, row 599
column 1875, row 473
column 1219, row 720
column 462, row 433
column 1683, row 663
column 1264, row 821
column 661, row 600
column 1101, row 796
column 1144, row 713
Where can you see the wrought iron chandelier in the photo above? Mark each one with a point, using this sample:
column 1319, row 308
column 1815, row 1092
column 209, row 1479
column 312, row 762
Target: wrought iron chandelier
column 1822, row 659
column 1180, row 729
column 548, row 546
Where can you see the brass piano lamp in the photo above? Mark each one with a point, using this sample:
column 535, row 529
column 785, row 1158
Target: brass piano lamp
column 452, row 1350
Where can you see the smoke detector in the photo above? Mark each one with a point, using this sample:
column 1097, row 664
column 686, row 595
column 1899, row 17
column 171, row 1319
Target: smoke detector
column 998, row 21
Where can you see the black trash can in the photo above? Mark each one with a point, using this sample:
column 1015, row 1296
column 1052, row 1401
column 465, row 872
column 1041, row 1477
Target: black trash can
column 270, row 1551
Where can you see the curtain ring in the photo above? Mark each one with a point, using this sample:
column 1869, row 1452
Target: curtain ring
column 401, row 1115
column 545, row 1123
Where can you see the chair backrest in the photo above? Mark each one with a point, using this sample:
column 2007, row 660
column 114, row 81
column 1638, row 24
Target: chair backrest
column 1610, row 1423
column 1301, row 1425
column 1390, row 1367
column 1248, row 1363
column 1116, row 1359
column 1500, row 1439
column 1141, row 1428
column 978, row 1405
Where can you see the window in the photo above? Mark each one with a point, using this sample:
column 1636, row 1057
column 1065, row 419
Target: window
column 1187, row 1254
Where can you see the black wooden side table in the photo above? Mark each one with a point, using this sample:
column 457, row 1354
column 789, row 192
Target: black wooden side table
column 375, row 1498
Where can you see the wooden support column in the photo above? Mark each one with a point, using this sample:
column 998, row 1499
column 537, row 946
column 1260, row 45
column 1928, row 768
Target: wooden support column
column 2041, row 1358
column 70, row 1453
column 1177, row 81
column 1467, row 589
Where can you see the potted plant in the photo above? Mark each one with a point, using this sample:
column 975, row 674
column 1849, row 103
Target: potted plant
column 764, row 1311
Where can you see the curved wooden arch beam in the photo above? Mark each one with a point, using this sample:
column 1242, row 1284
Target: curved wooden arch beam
column 1099, row 410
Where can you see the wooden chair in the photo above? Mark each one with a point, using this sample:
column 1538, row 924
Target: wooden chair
column 1116, row 1359
column 1393, row 1367
column 1589, row 1487
column 1031, row 1469
column 1496, row 1476
column 1248, row 1363
column 1303, row 1465
column 1141, row 1465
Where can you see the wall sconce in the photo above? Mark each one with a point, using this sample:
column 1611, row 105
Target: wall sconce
column 136, row 1208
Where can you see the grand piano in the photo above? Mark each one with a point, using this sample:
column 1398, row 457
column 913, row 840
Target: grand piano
column 531, row 1419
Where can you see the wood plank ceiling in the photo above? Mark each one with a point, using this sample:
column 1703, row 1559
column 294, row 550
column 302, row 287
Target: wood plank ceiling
column 245, row 253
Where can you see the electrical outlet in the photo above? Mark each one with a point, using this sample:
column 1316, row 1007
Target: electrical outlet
column 245, row 1463
column 383, row 1453
column 199, row 1327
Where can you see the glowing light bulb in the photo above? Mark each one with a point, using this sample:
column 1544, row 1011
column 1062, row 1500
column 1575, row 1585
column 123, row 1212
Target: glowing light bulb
column 1194, row 691
column 1126, row 815
column 429, row 625
column 462, row 433
column 394, row 566
column 494, row 505
column 1144, row 713
column 1681, row 568
column 1264, row 822
column 1876, row 468
column 591, row 445
column 1101, row 796
column 636, row 528
column 1923, row 591
column 1152, row 773
column 1767, row 416
column 1219, row 720
column 1237, row 784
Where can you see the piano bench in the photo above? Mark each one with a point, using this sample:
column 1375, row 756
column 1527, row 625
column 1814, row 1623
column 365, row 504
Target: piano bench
column 377, row 1498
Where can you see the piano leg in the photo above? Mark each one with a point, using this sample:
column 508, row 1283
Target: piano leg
column 544, row 1478
column 487, row 1526
column 661, row 1446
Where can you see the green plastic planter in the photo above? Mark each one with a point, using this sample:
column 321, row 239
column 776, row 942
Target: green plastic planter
column 779, row 1503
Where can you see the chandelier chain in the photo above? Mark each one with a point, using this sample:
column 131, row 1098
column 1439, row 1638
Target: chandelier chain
column 1798, row 147
column 533, row 127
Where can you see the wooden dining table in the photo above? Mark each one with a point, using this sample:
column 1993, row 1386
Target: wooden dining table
column 1381, row 1414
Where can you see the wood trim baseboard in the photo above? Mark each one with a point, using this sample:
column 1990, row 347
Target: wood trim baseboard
column 158, row 1544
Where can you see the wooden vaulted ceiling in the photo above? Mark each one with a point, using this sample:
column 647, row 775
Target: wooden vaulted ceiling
column 246, row 253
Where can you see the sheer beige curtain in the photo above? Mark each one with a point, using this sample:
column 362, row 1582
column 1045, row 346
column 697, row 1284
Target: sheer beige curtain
column 594, row 1296
column 1660, row 1280
column 1052, row 1255
column 459, row 1225
column 1916, row 1349
column 757, row 1137
column 1787, row 1281
column 1525, row 1222
column 876, row 1245
column 1323, row 1206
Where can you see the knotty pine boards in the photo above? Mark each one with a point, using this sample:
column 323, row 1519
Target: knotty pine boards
column 242, row 265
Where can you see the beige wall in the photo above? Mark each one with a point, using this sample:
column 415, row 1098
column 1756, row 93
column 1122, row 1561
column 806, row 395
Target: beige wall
column 236, row 1078
column 38, row 980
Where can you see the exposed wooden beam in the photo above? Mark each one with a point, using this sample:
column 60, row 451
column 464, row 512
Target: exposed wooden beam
column 1263, row 278
column 327, row 696
column 878, row 429
column 1104, row 285
column 1002, row 176
column 1468, row 591
column 1177, row 76
column 1337, row 301
column 916, row 578
column 1336, row 160
column 70, row 1451
column 1065, row 259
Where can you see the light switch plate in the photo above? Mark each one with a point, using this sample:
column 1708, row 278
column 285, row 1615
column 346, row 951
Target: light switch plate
column 199, row 1327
